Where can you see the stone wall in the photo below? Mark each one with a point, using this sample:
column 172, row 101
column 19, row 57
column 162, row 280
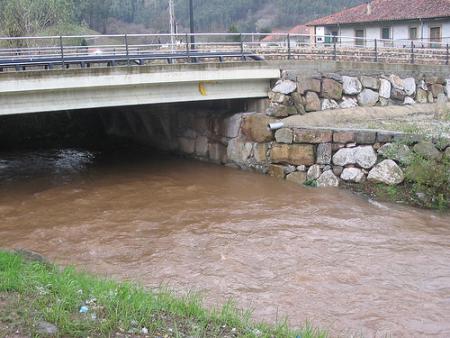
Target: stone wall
column 333, row 91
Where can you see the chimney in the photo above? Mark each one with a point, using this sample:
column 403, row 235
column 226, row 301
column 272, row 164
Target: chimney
column 369, row 8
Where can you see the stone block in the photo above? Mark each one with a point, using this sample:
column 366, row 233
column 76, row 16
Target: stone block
column 232, row 126
column 239, row 151
column 365, row 137
column 308, row 85
column 295, row 154
column 437, row 89
column 331, row 89
column 187, row 145
column 217, row 152
column 255, row 128
column 260, row 152
column 297, row 177
column 343, row 137
column 370, row 82
column 201, row 146
column 312, row 102
column 313, row 136
column 276, row 170
column 324, row 153
column 385, row 137
column 284, row 135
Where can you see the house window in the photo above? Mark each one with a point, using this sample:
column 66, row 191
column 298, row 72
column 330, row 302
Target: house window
column 435, row 34
column 386, row 33
column 413, row 33
column 335, row 35
column 359, row 37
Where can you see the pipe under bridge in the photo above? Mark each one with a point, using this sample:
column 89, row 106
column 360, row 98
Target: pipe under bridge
column 87, row 88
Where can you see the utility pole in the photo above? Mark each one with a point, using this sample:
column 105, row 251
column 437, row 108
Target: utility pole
column 172, row 25
column 192, row 24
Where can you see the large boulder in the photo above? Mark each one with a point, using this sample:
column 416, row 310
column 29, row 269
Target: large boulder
column 351, row 85
column 421, row 96
column 368, row 98
column 398, row 152
column 329, row 104
column 314, row 172
column 370, row 82
column 308, row 85
column 385, row 89
column 364, row 156
column 427, row 150
column 409, row 86
column 397, row 82
column 328, row 179
column 297, row 177
column 348, row 102
column 312, row 102
column 285, row 87
column 254, row 127
column 352, row 175
column 331, row 89
column 387, row 172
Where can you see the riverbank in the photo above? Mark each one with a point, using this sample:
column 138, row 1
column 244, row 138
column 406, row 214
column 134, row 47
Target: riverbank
column 40, row 299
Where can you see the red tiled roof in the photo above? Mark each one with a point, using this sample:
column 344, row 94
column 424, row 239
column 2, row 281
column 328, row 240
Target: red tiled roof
column 387, row 10
column 300, row 29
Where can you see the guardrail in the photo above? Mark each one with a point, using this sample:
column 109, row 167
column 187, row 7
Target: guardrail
column 22, row 53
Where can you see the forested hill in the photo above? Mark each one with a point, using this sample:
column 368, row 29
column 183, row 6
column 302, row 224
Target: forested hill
column 28, row 17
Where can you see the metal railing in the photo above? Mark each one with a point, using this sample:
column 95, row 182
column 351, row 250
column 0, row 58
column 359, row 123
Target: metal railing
column 21, row 53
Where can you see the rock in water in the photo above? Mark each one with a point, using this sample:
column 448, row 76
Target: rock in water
column 387, row 172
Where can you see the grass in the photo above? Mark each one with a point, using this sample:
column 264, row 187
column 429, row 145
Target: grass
column 34, row 291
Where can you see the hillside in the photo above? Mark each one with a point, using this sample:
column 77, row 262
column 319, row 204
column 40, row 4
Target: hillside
column 28, row 17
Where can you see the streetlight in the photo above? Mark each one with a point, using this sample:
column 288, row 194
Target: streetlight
column 191, row 22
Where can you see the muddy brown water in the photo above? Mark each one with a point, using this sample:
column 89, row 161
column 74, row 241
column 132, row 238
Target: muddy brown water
column 333, row 258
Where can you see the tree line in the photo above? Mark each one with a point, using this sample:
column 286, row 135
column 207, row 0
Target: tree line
column 31, row 17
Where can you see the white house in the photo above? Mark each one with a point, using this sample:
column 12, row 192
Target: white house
column 390, row 22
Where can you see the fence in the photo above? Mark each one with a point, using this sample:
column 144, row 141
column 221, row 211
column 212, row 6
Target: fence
column 23, row 53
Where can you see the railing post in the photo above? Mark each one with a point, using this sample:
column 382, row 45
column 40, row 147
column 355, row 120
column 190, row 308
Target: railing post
column 376, row 50
column 61, row 46
column 334, row 51
column 447, row 58
column 188, row 51
column 289, row 46
column 126, row 49
column 242, row 46
column 412, row 52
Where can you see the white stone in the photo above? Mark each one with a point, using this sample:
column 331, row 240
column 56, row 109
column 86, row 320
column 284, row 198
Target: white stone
column 409, row 101
column 328, row 179
column 368, row 98
column 285, row 87
column 239, row 151
column 329, row 104
column 364, row 156
column 232, row 125
column 397, row 82
column 301, row 168
column 201, row 146
column 348, row 102
column 314, row 172
column 423, row 85
column 352, row 175
column 351, row 85
column 398, row 152
column 409, row 85
column 385, row 89
column 387, row 172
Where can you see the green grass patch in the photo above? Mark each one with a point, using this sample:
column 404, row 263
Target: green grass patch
column 39, row 291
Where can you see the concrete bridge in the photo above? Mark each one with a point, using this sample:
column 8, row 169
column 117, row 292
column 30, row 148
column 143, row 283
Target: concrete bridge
column 87, row 88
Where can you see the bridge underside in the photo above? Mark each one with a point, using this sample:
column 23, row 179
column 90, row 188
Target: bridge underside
column 46, row 91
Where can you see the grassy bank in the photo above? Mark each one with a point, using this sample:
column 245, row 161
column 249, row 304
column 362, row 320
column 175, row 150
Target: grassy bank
column 36, row 296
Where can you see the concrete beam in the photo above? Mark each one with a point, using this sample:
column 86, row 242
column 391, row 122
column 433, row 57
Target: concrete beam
column 45, row 91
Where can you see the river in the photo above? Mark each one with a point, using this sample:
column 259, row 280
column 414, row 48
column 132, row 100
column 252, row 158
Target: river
column 331, row 257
